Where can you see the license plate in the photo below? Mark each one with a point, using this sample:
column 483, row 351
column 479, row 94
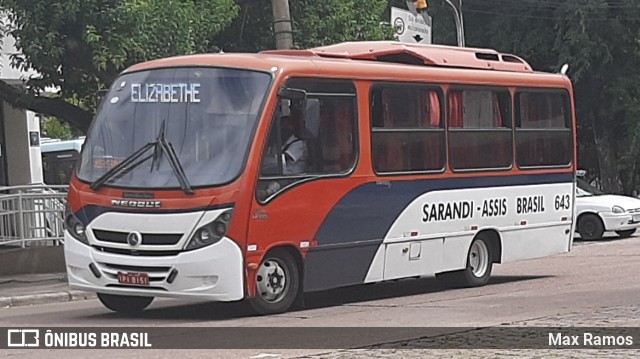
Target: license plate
column 133, row 278
column 636, row 217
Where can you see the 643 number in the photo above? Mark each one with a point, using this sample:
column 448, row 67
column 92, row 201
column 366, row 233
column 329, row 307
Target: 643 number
column 562, row 202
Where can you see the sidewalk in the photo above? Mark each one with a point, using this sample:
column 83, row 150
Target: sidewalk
column 29, row 289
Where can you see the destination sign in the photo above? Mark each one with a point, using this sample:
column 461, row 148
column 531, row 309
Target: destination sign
column 165, row 93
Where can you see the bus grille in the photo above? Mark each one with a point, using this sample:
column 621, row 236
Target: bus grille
column 136, row 252
column 147, row 238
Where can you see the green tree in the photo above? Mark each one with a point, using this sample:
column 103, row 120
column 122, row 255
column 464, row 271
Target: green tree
column 79, row 46
column 53, row 128
column 314, row 23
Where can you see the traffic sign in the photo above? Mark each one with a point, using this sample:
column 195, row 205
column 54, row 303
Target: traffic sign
column 410, row 28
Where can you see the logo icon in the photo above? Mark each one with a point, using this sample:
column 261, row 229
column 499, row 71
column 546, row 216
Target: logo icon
column 134, row 239
column 23, row 338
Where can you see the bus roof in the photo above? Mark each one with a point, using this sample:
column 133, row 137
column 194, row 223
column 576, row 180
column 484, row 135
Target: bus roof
column 420, row 54
column 58, row 145
column 377, row 60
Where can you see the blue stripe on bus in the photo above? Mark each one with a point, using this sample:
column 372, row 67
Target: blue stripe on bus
column 368, row 211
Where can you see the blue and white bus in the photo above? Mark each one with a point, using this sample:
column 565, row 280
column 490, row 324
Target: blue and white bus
column 58, row 159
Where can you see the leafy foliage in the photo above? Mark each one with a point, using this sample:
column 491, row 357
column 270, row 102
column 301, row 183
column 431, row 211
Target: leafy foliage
column 314, row 23
column 53, row 128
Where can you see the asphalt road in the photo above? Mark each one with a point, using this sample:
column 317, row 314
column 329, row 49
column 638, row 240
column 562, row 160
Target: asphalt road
column 596, row 284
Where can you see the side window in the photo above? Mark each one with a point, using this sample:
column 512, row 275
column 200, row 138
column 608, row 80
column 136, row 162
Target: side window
column 407, row 130
column 310, row 137
column 57, row 167
column 480, row 129
column 543, row 129
column 46, row 168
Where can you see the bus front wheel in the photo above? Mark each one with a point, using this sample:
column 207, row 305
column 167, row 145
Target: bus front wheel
column 277, row 283
column 124, row 304
column 478, row 269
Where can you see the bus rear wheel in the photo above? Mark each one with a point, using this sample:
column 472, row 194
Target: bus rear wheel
column 277, row 283
column 478, row 269
column 125, row 304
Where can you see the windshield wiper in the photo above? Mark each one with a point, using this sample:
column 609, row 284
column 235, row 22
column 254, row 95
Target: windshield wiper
column 166, row 146
column 159, row 145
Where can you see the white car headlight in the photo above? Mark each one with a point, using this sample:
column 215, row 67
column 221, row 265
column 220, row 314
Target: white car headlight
column 617, row 209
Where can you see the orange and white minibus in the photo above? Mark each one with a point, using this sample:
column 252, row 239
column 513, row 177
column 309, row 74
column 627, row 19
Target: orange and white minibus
column 264, row 176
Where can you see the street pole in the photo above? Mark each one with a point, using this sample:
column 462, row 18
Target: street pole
column 282, row 24
column 459, row 22
column 419, row 7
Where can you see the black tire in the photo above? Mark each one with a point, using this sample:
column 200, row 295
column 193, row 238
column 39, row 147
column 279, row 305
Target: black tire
column 590, row 227
column 478, row 270
column 626, row 234
column 125, row 304
column 272, row 295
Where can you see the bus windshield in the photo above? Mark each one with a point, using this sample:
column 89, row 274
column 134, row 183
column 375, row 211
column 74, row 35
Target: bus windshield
column 206, row 115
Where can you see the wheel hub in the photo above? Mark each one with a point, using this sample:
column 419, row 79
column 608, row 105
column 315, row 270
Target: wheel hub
column 275, row 279
column 589, row 228
column 479, row 258
column 271, row 281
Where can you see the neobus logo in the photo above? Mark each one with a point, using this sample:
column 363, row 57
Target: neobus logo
column 135, row 204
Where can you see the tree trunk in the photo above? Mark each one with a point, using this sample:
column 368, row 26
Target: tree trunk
column 282, row 24
column 56, row 107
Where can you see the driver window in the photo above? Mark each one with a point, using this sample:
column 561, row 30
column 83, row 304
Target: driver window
column 285, row 155
column 311, row 137
column 286, row 151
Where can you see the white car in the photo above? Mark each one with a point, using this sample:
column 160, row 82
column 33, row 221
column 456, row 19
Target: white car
column 599, row 212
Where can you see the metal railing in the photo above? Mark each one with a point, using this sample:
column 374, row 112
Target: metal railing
column 32, row 215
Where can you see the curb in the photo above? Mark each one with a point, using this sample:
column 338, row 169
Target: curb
column 45, row 298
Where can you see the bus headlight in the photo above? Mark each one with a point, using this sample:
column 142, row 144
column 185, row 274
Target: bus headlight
column 617, row 209
column 210, row 233
column 75, row 228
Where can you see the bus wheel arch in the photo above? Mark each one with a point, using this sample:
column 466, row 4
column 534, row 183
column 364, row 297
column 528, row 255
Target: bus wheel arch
column 484, row 250
column 494, row 242
column 278, row 280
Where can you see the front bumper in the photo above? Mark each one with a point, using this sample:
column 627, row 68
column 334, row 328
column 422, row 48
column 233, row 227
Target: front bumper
column 212, row 273
column 618, row 222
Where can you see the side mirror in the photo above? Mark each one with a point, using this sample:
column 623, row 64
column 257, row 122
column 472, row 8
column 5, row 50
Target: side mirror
column 292, row 102
column 581, row 173
column 292, row 94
